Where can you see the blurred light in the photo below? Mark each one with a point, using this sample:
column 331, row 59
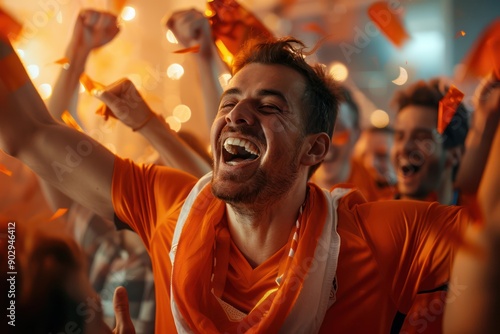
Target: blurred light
column 402, row 78
column 173, row 123
column 224, row 79
column 33, row 71
column 45, row 91
column 182, row 113
column 379, row 118
column 175, row 71
column 208, row 12
column 339, row 71
column 59, row 18
column 21, row 53
column 82, row 88
column 128, row 13
column 171, row 37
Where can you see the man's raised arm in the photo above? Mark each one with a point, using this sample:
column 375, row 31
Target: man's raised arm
column 68, row 159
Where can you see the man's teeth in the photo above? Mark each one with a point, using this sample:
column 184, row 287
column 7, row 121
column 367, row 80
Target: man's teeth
column 231, row 145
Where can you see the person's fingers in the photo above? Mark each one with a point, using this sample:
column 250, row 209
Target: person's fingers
column 124, row 323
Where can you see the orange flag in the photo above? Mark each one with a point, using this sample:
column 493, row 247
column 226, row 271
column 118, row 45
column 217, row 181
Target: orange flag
column 484, row 56
column 388, row 22
column 9, row 26
column 232, row 25
column 447, row 107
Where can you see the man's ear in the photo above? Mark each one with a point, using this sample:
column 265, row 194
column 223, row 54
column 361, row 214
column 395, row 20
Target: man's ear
column 454, row 156
column 316, row 148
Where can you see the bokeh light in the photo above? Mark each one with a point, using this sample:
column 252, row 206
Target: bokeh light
column 45, row 90
column 173, row 123
column 33, row 71
column 175, row 71
column 339, row 71
column 128, row 13
column 182, row 113
column 379, row 118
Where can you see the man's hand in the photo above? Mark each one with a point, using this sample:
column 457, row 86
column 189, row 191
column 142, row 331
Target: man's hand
column 93, row 29
column 124, row 323
column 126, row 103
column 192, row 28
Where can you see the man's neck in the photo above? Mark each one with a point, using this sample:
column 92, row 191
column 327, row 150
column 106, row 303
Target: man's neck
column 261, row 232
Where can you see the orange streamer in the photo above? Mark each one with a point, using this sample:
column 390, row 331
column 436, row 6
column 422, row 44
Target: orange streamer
column 388, row 22
column 58, row 214
column 448, row 107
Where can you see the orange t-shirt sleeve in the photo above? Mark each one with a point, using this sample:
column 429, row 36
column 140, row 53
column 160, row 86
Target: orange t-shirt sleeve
column 413, row 242
column 145, row 195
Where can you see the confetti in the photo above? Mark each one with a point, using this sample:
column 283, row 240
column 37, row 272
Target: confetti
column 459, row 34
column 89, row 84
column 70, row 121
column 192, row 49
column 5, row 170
column 105, row 112
column 447, row 107
column 58, row 214
column 64, row 62
column 314, row 27
column 389, row 23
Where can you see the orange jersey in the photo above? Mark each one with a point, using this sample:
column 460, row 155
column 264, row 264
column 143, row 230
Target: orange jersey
column 389, row 250
column 362, row 179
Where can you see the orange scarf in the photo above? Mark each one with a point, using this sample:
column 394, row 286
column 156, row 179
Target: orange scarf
column 196, row 301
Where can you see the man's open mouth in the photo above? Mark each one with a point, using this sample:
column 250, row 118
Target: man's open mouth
column 237, row 150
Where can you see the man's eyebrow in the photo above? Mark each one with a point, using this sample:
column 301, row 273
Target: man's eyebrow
column 273, row 92
column 262, row 92
column 231, row 91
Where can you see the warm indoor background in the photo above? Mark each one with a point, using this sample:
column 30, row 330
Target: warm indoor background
column 441, row 33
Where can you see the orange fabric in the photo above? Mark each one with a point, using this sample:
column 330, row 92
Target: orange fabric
column 426, row 314
column 447, row 107
column 233, row 25
column 388, row 22
column 362, row 179
column 389, row 249
column 192, row 279
column 479, row 61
